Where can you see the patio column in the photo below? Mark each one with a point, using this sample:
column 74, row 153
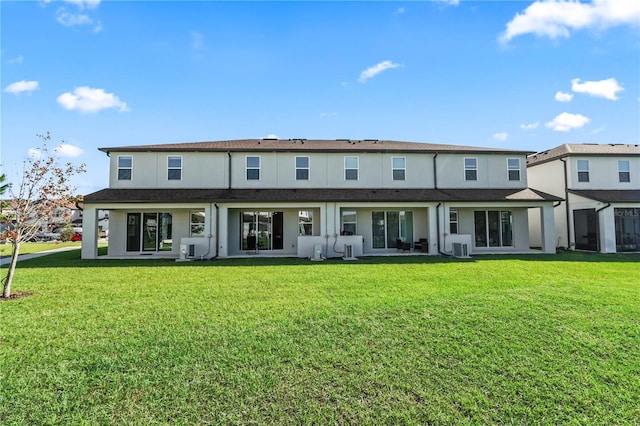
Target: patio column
column 89, row 233
column 548, row 229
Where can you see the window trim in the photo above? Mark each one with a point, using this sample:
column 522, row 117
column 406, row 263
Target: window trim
column 400, row 169
column 513, row 169
column 626, row 172
column 455, row 221
column 247, row 168
column 130, row 168
column 583, row 171
column 192, row 223
column 308, row 168
column 301, row 223
column 357, row 168
column 169, row 168
column 354, row 222
column 470, row 169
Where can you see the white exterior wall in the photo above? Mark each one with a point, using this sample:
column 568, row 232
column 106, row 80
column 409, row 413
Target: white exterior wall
column 603, row 173
column 492, row 171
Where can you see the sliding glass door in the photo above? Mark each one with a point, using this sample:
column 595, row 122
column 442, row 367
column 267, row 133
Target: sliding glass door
column 390, row 226
column 149, row 232
column 493, row 228
column 262, row 231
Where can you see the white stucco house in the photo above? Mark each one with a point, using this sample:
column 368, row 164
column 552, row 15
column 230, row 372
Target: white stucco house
column 600, row 185
column 306, row 198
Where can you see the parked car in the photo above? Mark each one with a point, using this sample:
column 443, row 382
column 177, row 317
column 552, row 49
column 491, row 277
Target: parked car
column 76, row 237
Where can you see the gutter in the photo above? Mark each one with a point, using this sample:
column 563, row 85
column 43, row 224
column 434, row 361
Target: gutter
column 598, row 227
column 566, row 202
column 438, row 230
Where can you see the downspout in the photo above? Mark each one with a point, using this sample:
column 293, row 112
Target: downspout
column 217, row 228
column 229, row 177
column 566, row 203
column 438, row 229
column 435, row 173
column 598, row 215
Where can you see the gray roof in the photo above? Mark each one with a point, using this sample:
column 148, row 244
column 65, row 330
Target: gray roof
column 583, row 149
column 310, row 145
column 313, row 195
column 610, row 195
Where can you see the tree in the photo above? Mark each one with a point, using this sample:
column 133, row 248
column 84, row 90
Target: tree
column 40, row 194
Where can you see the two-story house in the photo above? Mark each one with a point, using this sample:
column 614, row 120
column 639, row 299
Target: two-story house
column 296, row 197
column 600, row 185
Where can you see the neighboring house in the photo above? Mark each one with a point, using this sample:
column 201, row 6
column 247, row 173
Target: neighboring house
column 306, row 198
column 69, row 213
column 601, row 187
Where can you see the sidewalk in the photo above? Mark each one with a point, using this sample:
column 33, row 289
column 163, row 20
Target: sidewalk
column 4, row 260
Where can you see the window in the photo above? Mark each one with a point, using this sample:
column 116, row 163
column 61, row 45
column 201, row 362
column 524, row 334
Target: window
column 174, row 167
column 583, row 170
column 349, row 221
column 453, row 221
column 305, row 222
column 399, row 167
column 513, row 168
column 493, row 228
column 253, row 168
column 302, row 168
column 624, row 175
column 125, row 167
column 197, row 223
column 390, row 226
column 351, row 168
column 470, row 169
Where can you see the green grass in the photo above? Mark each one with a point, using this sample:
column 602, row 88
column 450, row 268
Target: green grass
column 408, row 340
column 28, row 248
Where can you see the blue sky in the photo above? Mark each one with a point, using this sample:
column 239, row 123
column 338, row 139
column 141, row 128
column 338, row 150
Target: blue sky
column 521, row 74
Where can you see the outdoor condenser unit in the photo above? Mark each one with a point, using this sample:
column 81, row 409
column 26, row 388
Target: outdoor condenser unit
column 187, row 251
column 348, row 252
column 460, row 250
column 317, row 252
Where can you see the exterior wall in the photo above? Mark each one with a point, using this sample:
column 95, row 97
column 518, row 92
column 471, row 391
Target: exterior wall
column 492, row 171
column 603, row 173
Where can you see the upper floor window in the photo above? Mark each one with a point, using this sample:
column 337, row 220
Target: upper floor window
column 453, row 221
column 125, row 167
column 513, row 168
column 399, row 165
column 583, row 170
column 351, row 168
column 302, row 168
column 253, row 168
column 470, row 169
column 174, row 167
column 624, row 174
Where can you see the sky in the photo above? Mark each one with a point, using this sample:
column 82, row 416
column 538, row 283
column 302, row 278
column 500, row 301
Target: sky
column 524, row 75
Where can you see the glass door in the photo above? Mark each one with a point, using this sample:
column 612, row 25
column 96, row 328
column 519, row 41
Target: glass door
column 262, row 231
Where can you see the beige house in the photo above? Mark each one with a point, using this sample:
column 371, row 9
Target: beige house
column 600, row 184
column 315, row 198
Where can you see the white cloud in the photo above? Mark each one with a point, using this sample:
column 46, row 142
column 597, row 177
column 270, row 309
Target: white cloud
column 500, row 137
column 450, row 2
column 17, row 60
column 68, row 19
column 607, row 89
column 375, row 70
column 86, row 99
column 197, row 40
column 21, row 86
column 271, row 136
column 567, row 121
column 400, row 10
column 34, row 153
column 563, row 97
column 555, row 19
column 66, row 150
column 82, row 4
column 530, row 126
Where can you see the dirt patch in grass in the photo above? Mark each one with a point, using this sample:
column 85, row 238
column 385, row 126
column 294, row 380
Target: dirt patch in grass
column 16, row 295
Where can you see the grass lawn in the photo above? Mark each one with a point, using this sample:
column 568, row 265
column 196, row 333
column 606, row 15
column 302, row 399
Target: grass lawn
column 27, row 248
column 410, row 340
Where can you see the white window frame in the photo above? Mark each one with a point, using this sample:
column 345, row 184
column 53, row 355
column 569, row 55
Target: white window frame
column 302, row 223
column 247, row 168
column 357, row 168
column 354, row 222
column 622, row 172
column 402, row 169
column 454, row 220
column 130, row 168
column 193, row 223
column 170, row 168
column 308, row 168
column 583, row 170
column 513, row 169
column 470, row 169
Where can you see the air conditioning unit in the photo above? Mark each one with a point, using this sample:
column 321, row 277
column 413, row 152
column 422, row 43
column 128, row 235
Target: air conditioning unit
column 317, row 252
column 348, row 252
column 187, row 251
column 460, row 250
